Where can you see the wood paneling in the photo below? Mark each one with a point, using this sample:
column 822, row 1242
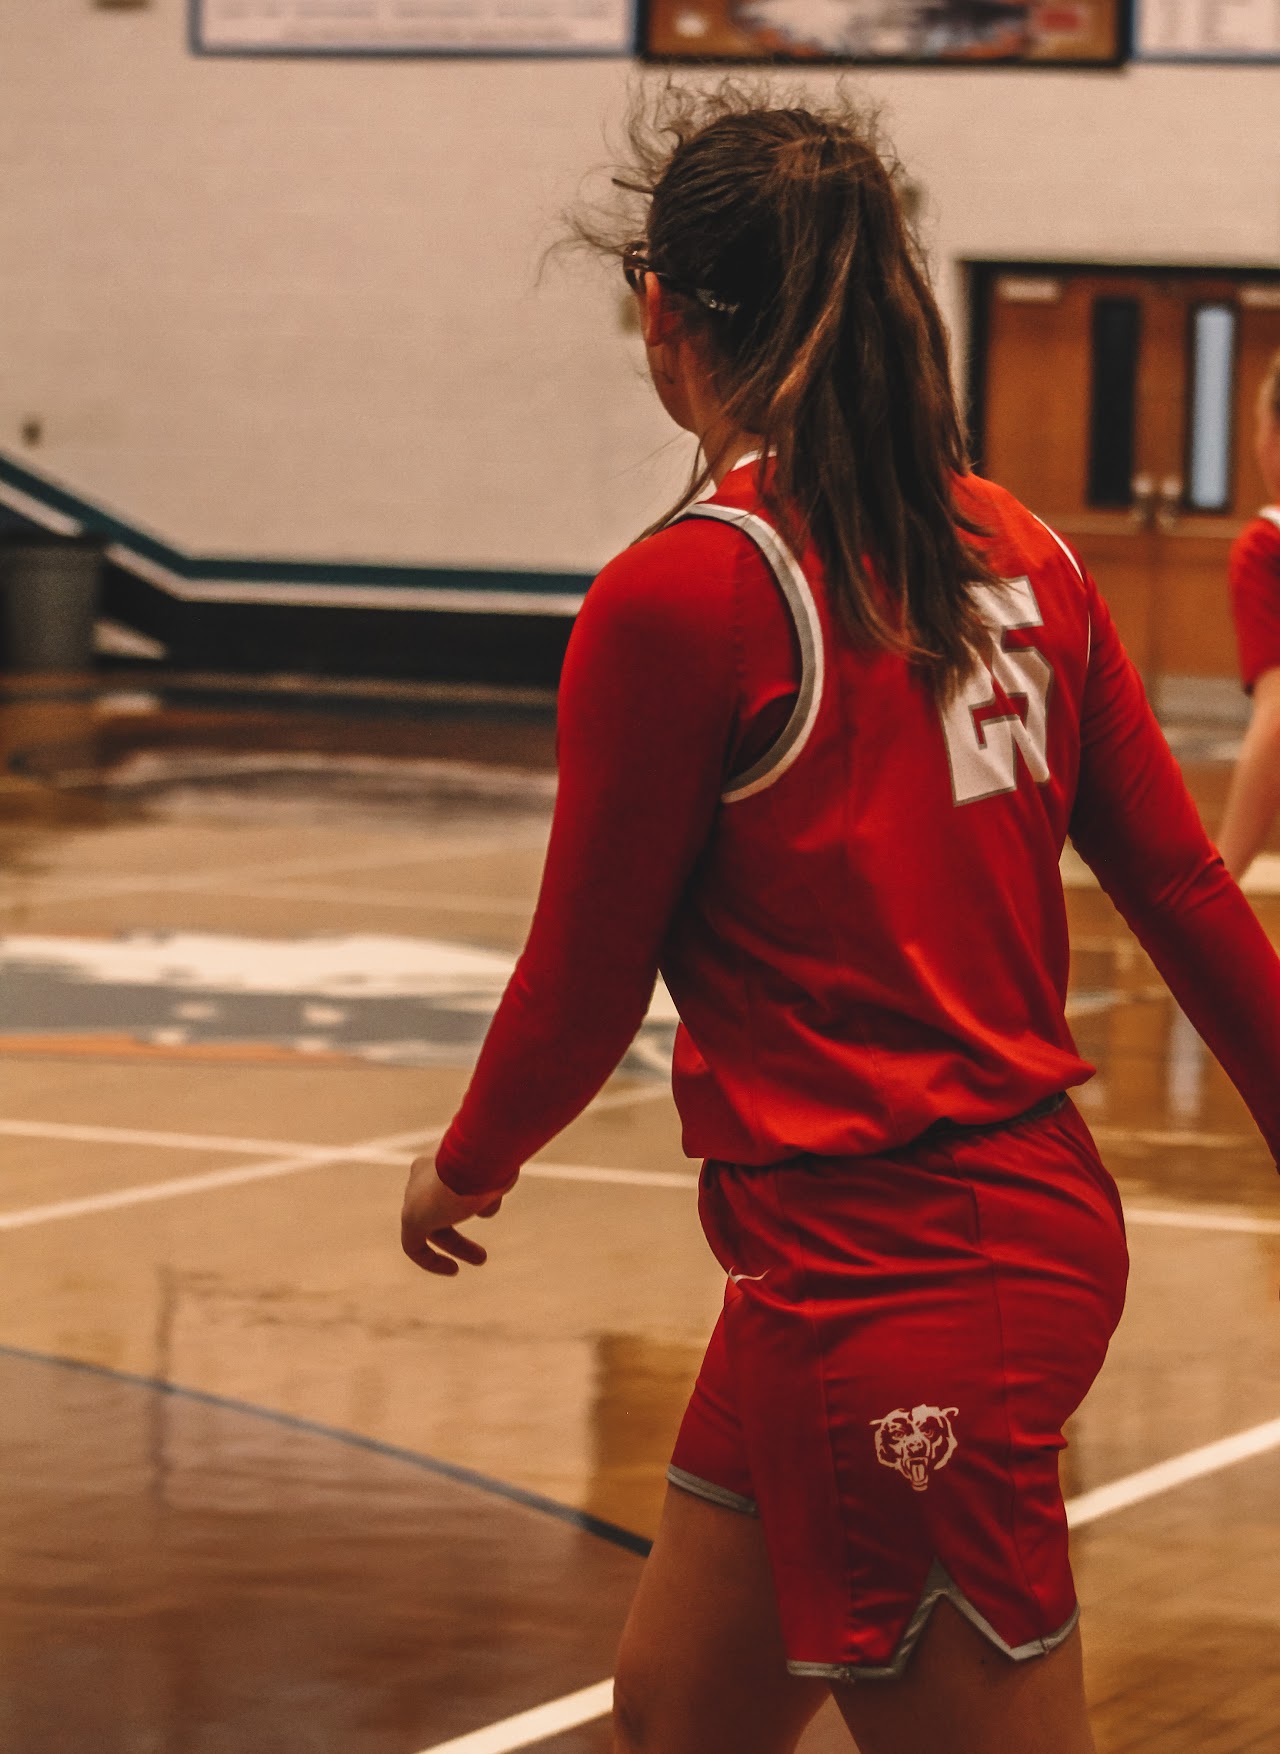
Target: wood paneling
column 1164, row 575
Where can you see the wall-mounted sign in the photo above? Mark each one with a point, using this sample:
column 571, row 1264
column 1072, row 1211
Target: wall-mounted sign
column 1207, row 30
column 413, row 27
column 1055, row 32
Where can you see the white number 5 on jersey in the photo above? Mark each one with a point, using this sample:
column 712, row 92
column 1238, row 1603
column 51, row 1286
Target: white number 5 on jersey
column 984, row 753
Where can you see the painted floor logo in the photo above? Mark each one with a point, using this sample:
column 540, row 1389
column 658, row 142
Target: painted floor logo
column 401, row 1001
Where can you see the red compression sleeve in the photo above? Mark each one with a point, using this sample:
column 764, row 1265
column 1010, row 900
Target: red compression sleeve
column 1136, row 825
column 649, row 713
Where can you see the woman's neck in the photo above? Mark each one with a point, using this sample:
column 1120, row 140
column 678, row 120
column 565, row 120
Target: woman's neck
column 745, row 449
column 724, row 443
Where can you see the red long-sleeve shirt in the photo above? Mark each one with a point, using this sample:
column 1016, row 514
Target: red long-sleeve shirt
column 854, row 899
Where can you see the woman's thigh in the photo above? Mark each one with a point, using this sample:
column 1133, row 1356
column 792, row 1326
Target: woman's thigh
column 701, row 1669
column 961, row 1695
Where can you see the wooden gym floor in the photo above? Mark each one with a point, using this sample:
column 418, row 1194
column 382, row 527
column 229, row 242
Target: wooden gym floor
column 267, row 1489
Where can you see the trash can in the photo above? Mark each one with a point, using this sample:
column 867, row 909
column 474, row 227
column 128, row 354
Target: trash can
column 50, row 588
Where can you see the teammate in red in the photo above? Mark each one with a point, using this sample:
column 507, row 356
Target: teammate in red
column 1254, row 797
column 821, row 741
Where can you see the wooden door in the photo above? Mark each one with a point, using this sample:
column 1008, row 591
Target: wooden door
column 1119, row 405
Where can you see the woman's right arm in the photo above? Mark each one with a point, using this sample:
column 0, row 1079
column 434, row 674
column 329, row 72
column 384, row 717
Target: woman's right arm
column 1135, row 824
column 648, row 712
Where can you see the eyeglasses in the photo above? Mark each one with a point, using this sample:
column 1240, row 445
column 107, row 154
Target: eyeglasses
column 636, row 264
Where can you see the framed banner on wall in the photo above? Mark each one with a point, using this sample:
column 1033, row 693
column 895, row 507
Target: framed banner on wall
column 1207, row 30
column 413, row 27
column 1036, row 32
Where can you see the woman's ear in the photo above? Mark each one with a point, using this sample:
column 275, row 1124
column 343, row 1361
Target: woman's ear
column 659, row 317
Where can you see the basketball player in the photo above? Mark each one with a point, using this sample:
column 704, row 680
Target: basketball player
column 821, row 740
column 1254, row 571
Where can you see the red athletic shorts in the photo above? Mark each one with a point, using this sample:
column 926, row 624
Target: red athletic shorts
column 902, row 1340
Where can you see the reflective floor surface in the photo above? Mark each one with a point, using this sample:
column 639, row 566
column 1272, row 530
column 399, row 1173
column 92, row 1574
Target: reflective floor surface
column 269, row 1489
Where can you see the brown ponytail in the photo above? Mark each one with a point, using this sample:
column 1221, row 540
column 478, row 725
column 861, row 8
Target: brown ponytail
column 783, row 229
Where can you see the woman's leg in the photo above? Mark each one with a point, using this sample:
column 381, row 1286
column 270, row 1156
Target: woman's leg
column 961, row 1695
column 701, row 1669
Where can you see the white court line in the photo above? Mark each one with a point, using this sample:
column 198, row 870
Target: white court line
column 160, row 1141
column 1169, row 1217
column 626, row 1178
column 533, row 1726
column 1262, row 877
column 185, row 882
column 92, row 1135
column 213, row 1179
column 624, row 1098
column 1178, row 1218
column 1089, row 1002
column 1172, row 1137
column 75, row 889
column 387, row 1150
column 1164, row 1476
column 381, row 898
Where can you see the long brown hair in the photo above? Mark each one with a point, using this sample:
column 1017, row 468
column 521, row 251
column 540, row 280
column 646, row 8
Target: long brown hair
column 781, row 231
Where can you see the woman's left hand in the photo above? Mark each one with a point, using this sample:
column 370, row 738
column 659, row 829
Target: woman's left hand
column 430, row 1214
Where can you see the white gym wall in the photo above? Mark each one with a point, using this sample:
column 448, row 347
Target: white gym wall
column 290, row 307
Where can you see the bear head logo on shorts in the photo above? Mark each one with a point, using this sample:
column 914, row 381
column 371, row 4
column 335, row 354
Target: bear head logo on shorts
column 915, row 1441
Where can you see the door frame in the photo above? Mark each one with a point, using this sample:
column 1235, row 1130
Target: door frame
column 981, row 273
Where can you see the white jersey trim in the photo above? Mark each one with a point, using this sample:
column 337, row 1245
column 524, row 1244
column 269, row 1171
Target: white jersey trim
column 799, row 599
column 1272, row 514
column 1075, row 564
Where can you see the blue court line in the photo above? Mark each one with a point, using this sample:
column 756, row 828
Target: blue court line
column 578, row 1519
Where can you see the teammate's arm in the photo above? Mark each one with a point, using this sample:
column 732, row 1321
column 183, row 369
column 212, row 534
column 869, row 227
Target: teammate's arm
column 1136, row 826
column 1254, row 798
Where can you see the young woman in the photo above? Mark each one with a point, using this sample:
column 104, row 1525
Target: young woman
column 1254, row 568
column 821, row 739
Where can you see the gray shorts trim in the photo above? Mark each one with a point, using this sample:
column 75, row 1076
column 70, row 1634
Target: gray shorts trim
column 713, row 1494
column 938, row 1585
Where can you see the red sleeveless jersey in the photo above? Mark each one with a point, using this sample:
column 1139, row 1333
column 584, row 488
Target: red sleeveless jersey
column 853, row 895
column 876, row 936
